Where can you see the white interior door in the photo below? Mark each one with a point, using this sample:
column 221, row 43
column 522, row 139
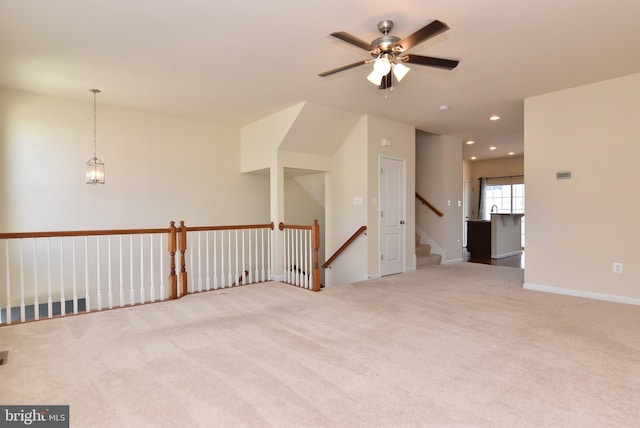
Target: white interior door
column 392, row 215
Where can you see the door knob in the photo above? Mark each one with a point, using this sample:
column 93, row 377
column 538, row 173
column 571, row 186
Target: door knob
column 401, row 221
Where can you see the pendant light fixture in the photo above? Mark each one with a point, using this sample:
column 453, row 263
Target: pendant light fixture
column 95, row 167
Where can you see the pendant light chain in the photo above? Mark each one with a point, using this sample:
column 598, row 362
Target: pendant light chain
column 95, row 151
column 95, row 167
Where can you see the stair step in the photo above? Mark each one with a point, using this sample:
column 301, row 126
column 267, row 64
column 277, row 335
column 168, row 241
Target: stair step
column 423, row 250
column 424, row 256
column 432, row 259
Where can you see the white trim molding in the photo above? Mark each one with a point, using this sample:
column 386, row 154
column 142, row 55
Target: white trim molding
column 580, row 293
column 435, row 248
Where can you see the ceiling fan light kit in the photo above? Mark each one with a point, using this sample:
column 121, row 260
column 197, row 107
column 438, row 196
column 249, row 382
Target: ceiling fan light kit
column 388, row 53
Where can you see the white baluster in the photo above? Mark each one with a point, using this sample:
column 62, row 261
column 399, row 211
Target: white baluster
column 63, row 304
column 262, row 248
column 199, row 260
column 87, row 299
column 222, row 275
column 8, row 283
column 230, row 279
column 49, row 299
column 285, row 255
column 215, row 260
column 300, row 263
column 36, row 303
column 142, row 296
column 208, row 280
column 162, row 255
column 301, row 257
column 244, row 266
column 237, row 258
column 269, row 255
column 75, row 285
column 256, row 274
column 132, row 294
column 98, row 284
column 152, row 291
column 290, row 252
column 121, row 272
column 310, row 262
column 109, row 278
column 22, row 305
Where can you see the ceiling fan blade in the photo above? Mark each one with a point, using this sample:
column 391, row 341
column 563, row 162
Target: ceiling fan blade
column 346, row 37
column 344, row 67
column 448, row 64
column 426, row 32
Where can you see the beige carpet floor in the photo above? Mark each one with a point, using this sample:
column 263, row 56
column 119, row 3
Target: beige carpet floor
column 458, row 345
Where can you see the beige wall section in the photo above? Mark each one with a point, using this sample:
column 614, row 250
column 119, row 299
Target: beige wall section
column 260, row 140
column 577, row 228
column 402, row 138
column 158, row 168
column 308, row 161
column 439, row 180
column 500, row 167
column 347, row 179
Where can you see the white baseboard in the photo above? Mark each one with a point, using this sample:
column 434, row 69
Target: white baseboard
column 579, row 293
column 448, row 262
column 509, row 254
column 279, row 278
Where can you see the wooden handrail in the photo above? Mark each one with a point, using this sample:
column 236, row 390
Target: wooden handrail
column 344, row 246
column 232, row 227
column 20, row 235
column 424, row 201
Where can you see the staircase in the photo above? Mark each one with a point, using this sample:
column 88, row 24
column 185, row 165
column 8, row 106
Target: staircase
column 424, row 257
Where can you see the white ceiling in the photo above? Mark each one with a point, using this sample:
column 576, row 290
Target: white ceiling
column 237, row 62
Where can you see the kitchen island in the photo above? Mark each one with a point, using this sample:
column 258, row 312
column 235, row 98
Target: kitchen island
column 495, row 238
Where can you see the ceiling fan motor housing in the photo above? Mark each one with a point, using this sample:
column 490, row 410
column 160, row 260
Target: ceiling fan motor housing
column 386, row 43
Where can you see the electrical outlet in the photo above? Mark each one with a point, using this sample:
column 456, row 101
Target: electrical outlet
column 617, row 267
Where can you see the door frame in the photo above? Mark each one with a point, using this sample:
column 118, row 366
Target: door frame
column 403, row 199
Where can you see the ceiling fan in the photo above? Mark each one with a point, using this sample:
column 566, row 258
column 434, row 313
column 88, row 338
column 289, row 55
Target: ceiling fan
column 389, row 53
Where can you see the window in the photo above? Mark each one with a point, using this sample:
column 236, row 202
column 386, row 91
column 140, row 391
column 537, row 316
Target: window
column 503, row 199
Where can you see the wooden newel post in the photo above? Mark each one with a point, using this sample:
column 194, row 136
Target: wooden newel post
column 182, row 247
column 315, row 244
column 171, row 245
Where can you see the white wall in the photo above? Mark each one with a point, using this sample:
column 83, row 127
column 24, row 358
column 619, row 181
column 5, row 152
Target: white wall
column 439, row 180
column 347, row 179
column 158, row 168
column 260, row 140
column 577, row 228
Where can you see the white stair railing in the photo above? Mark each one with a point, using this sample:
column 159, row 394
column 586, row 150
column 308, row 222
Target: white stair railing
column 57, row 273
column 47, row 274
column 224, row 256
column 300, row 258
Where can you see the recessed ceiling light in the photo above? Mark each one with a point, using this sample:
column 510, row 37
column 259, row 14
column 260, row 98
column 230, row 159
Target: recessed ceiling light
column 473, row 158
column 470, row 142
column 492, row 148
column 511, row 153
column 494, row 117
column 444, row 107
